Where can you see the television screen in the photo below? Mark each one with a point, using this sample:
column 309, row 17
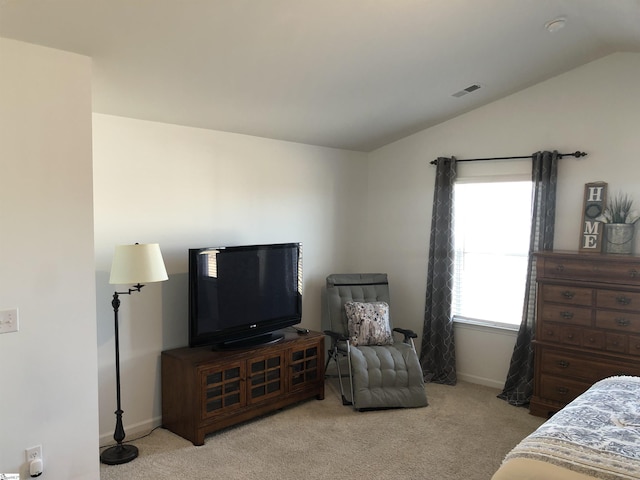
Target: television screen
column 242, row 294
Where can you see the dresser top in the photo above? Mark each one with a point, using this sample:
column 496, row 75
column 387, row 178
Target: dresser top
column 593, row 257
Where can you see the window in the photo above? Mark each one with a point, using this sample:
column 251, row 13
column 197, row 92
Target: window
column 492, row 223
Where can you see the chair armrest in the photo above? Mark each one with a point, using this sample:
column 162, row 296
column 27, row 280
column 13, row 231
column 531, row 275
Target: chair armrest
column 335, row 336
column 407, row 333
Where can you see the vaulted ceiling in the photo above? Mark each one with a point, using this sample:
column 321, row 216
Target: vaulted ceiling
column 352, row 74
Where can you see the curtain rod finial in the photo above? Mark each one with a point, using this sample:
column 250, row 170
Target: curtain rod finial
column 576, row 154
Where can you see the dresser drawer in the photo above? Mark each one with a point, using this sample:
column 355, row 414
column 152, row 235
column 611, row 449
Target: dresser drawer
column 624, row 273
column 634, row 345
column 571, row 367
column 567, row 295
column 595, row 339
column 567, row 314
column 618, row 299
column 561, row 389
column 620, row 321
column 616, row 342
column 565, row 268
column 595, row 269
column 549, row 332
column 560, row 364
column 612, row 369
column 571, row 335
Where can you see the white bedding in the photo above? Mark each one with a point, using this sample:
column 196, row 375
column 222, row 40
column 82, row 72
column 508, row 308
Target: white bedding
column 595, row 436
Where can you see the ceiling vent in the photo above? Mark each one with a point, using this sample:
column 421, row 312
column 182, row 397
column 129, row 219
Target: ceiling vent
column 469, row 89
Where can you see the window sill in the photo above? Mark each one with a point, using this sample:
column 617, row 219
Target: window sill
column 485, row 325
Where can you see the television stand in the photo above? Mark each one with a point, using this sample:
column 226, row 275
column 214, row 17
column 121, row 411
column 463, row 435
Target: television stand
column 204, row 391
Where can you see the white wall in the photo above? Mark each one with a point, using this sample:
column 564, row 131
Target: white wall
column 595, row 108
column 48, row 379
column 186, row 188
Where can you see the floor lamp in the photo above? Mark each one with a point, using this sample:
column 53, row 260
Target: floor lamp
column 132, row 264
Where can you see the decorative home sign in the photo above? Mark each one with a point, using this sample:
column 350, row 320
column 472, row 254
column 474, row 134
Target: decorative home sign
column 591, row 230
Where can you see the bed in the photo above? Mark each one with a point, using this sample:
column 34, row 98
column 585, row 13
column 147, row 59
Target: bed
column 597, row 435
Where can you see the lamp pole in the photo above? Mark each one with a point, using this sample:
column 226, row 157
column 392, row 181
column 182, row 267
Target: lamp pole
column 119, row 453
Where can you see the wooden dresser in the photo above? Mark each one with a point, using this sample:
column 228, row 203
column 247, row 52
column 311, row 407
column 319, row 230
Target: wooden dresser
column 587, row 324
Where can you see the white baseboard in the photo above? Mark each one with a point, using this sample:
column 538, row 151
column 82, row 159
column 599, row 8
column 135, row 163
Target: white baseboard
column 487, row 382
column 133, row 431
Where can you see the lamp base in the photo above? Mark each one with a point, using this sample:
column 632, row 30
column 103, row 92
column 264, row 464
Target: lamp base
column 119, row 454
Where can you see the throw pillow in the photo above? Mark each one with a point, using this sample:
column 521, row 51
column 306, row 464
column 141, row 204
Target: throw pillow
column 368, row 323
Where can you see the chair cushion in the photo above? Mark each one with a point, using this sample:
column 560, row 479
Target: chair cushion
column 387, row 376
column 368, row 323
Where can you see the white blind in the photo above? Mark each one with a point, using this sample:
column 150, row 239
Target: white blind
column 492, row 221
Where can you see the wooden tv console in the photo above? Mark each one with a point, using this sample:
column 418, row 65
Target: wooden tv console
column 204, row 390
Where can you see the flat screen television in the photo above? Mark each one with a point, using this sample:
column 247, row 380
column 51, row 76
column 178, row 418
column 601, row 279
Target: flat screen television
column 241, row 295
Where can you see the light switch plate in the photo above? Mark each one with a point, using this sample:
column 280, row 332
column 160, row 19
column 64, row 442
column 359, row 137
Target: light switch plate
column 9, row 320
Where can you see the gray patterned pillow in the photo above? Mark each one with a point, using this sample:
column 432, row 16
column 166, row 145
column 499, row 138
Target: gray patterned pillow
column 368, row 323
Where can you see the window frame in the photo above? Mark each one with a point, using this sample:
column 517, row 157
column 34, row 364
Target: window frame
column 489, row 178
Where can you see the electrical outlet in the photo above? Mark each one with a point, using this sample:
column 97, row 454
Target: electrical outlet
column 9, row 320
column 34, row 453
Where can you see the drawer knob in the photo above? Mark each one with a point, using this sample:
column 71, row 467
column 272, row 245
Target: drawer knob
column 563, row 364
column 562, row 390
column 566, row 315
column 570, row 336
column 560, row 268
column 569, row 295
column 633, row 273
column 623, row 322
column 622, row 300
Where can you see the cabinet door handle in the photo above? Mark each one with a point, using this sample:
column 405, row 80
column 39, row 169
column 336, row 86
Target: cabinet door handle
column 563, row 364
column 566, row 315
column 568, row 294
column 562, row 390
column 622, row 300
column 623, row 322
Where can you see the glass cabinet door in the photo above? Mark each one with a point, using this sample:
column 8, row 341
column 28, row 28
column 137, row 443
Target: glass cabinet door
column 304, row 366
column 223, row 388
column 266, row 377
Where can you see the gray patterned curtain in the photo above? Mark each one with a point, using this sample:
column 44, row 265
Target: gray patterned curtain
column 518, row 387
column 437, row 356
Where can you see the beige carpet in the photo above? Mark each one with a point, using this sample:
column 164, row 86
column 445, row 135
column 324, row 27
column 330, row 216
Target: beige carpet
column 463, row 434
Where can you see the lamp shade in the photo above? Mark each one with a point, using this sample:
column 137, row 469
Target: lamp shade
column 139, row 263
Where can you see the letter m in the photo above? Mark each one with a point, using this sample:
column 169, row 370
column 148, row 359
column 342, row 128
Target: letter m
column 591, row 228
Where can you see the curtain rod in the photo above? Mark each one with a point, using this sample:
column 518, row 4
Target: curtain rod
column 560, row 155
